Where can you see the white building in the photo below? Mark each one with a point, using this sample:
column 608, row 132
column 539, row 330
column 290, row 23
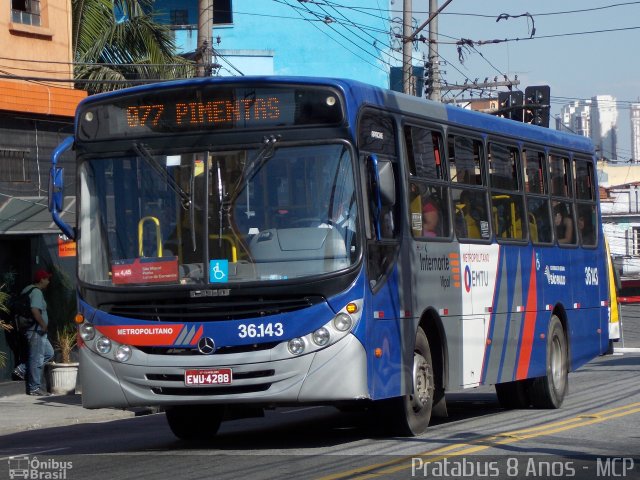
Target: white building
column 576, row 117
column 635, row 131
column 604, row 126
column 596, row 118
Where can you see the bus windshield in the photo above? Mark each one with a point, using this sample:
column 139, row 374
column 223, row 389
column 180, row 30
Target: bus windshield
column 263, row 214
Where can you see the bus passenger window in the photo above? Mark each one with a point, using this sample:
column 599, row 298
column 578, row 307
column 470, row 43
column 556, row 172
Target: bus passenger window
column 560, row 176
column 429, row 215
column 471, row 217
column 535, row 172
column 424, row 150
column 465, row 160
column 584, row 180
column 587, row 217
column 539, row 216
column 564, row 223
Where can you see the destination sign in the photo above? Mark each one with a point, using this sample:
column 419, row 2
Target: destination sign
column 198, row 108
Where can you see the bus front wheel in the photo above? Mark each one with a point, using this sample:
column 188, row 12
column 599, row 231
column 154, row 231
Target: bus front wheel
column 410, row 415
column 549, row 391
column 195, row 422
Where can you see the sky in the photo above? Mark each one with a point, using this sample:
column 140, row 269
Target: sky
column 574, row 64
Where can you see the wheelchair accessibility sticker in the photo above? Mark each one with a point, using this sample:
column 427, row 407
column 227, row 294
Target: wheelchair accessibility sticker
column 218, row 271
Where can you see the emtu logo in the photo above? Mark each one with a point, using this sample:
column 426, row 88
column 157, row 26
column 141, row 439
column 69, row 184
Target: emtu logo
column 467, row 278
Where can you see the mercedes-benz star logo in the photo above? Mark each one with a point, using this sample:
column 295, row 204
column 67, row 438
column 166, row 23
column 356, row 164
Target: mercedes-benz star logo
column 206, row 346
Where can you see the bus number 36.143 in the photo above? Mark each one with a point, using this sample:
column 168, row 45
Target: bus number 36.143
column 260, row 330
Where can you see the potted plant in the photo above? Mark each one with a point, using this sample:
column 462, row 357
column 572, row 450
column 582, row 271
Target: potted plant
column 63, row 374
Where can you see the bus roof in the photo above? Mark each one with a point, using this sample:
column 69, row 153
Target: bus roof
column 359, row 93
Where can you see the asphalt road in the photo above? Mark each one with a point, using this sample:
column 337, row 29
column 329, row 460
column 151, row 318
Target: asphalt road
column 594, row 435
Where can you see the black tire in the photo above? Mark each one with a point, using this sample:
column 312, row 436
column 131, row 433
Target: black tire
column 512, row 395
column 549, row 391
column 410, row 415
column 195, row 422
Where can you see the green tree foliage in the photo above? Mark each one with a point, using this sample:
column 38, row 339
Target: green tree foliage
column 115, row 40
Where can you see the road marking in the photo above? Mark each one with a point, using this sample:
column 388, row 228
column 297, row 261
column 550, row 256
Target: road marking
column 29, row 454
column 484, row 443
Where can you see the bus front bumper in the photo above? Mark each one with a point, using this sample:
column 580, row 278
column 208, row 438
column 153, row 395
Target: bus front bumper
column 335, row 373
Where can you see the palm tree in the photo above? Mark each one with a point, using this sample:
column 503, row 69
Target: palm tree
column 116, row 40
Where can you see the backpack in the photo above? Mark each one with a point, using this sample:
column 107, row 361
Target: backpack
column 21, row 311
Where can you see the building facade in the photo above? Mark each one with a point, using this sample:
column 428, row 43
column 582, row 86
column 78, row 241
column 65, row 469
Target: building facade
column 634, row 113
column 263, row 37
column 597, row 119
column 37, row 104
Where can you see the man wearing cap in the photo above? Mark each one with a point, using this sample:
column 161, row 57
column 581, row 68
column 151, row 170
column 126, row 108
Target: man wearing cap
column 40, row 349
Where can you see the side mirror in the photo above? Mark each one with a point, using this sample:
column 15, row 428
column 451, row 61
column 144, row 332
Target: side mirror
column 56, row 188
column 387, row 183
column 382, row 188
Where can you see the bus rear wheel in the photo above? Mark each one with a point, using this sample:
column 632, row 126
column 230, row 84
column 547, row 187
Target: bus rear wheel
column 195, row 422
column 410, row 415
column 549, row 391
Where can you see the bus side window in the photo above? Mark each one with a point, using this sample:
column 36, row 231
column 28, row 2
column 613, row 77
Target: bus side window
column 471, row 217
column 539, row 216
column 536, row 190
column 507, row 199
column 428, row 196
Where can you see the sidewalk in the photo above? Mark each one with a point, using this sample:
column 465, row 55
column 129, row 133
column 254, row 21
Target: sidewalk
column 22, row 412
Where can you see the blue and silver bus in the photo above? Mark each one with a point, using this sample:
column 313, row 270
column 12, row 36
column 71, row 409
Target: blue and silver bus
column 245, row 243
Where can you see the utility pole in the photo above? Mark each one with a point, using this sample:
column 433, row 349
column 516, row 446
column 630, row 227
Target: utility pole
column 408, row 39
column 204, row 51
column 407, row 64
column 432, row 58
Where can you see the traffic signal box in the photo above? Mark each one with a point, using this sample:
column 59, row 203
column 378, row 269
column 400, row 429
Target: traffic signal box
column 531, row 107
column 537, row 106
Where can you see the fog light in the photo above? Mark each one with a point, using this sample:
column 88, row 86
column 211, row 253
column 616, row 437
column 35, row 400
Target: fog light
column 342, row 322
column 321, row 336
column 87, row 331
column 296, row 346
column 123, row 353
column 103, row 345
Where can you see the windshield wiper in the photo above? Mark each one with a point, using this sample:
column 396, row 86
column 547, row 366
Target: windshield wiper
column 185, row 198
column 264, row 154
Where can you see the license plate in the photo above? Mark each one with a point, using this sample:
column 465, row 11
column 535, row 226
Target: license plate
column 216, row 376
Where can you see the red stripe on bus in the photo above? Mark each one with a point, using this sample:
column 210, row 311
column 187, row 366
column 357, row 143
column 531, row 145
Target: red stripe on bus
column 529, row 325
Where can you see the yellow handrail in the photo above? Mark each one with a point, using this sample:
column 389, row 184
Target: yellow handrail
column 141, row 234
column 228, row 238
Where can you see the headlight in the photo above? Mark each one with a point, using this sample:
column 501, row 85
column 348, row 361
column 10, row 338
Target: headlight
column 103, row 345
column 87, row 331
column 296, row 346
column 342, row 322
column 321, row 336
column 123, row 353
